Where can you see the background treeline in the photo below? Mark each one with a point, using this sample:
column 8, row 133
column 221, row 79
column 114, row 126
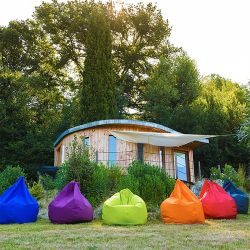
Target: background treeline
column 82, row 61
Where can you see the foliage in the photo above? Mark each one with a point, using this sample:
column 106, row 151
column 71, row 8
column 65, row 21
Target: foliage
column 98, row 88
column 9, row 176
column 46, row 68
column 37, row 190
column 98, row 190
column 171, row 89
column 215, row 173
column 242, row 175
column 115, row 175
column 222, row 107
column 154, row 184
column 77, row 167
column 97, row 182
column 93, row 178
column 228, row 173
column 128, row 181
column 48, row 182
column 42, row 69
column 247, row 184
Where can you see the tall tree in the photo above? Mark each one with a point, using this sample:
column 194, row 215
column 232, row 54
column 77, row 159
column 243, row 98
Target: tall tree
column 170, row 91
column 139, row 35
column 98, row 97
column 221, row 108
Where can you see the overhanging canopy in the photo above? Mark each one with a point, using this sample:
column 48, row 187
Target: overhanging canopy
column 159, row 139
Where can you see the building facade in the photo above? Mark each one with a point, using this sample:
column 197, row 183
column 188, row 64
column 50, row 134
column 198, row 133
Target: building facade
column 106, row 148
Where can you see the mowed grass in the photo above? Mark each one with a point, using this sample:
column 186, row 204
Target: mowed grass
column 214, row 234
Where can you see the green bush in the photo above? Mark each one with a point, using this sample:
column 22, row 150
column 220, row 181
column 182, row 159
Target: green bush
column 215, row 174
column 228, row 173
column 37, row 190
column 247, row 184
column 128, row 181
column 114, row 176
column 231, row 174
column 93, row 178
column 77, row 167
column 154, row 184
column 48, row 182
column 242, row 175
column 9, row 176
column 97, row 182
column 97, row 191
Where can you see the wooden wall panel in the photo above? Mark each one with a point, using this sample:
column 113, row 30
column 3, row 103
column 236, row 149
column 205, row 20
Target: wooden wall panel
column 151, row 154
column 169, row 161
column 191, row 165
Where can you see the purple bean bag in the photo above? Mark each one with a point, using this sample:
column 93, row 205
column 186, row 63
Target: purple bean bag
column 70, row 206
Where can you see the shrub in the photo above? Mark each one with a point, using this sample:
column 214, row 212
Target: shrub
column 114, row 176
column 154, row 184
column 228, row 173
column 242, row 175
column 97, row 190
column 247, row 184
column 37, row 190
column 48, row 182
column 93, row 178
column 231, row 174
column 130, row 182
column 77, row 167
column 9, row 176
column 215, row 174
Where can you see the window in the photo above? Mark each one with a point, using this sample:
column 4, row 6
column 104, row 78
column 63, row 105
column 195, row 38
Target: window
column 181, row 165
column 63, row 154
column 112, row 150
column 162, row 158
column 86, row 141
column 140, row 152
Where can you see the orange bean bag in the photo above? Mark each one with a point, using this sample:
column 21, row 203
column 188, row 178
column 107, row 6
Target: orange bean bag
column 216, row 202
column 182, row 207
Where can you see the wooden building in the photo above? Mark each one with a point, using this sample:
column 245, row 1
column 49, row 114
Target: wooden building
column 106, row 148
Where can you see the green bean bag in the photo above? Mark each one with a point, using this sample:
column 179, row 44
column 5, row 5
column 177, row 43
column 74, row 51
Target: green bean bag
column 124, row 208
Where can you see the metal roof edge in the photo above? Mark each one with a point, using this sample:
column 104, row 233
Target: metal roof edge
column 116, row 121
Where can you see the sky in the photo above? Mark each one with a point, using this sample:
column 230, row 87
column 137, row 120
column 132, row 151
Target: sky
column 215, row 33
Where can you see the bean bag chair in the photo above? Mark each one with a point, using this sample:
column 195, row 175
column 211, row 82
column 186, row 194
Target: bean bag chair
column 182, row 206
column 216, row 202
column 124, row 208
column 241, row 199
column 17, row 205
column 70, row 206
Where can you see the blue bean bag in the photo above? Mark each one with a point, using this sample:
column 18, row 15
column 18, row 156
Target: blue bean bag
column 241, row 199
column 17, row 205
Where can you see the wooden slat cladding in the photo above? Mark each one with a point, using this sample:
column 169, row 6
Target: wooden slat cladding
column 126, row 151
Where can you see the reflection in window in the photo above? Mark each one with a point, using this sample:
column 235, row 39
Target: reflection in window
column 162, row 158
column 112, row 150
column 181, row 167
column 63, row 154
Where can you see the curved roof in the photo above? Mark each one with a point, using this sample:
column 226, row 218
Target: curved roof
column 116, row 121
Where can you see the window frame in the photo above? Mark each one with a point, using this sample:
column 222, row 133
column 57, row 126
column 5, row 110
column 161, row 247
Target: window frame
column 186, row 152
column 162, row 158
column 140, row 152
column 84, row 141
column 112, row 162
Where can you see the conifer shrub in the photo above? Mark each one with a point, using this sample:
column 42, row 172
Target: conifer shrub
column 9, row 176
column 154, row 184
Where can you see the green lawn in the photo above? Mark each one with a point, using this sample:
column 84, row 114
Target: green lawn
column 215, row 234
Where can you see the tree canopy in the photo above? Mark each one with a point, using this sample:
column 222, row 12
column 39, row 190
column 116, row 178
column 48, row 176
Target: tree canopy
column 80, row 61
